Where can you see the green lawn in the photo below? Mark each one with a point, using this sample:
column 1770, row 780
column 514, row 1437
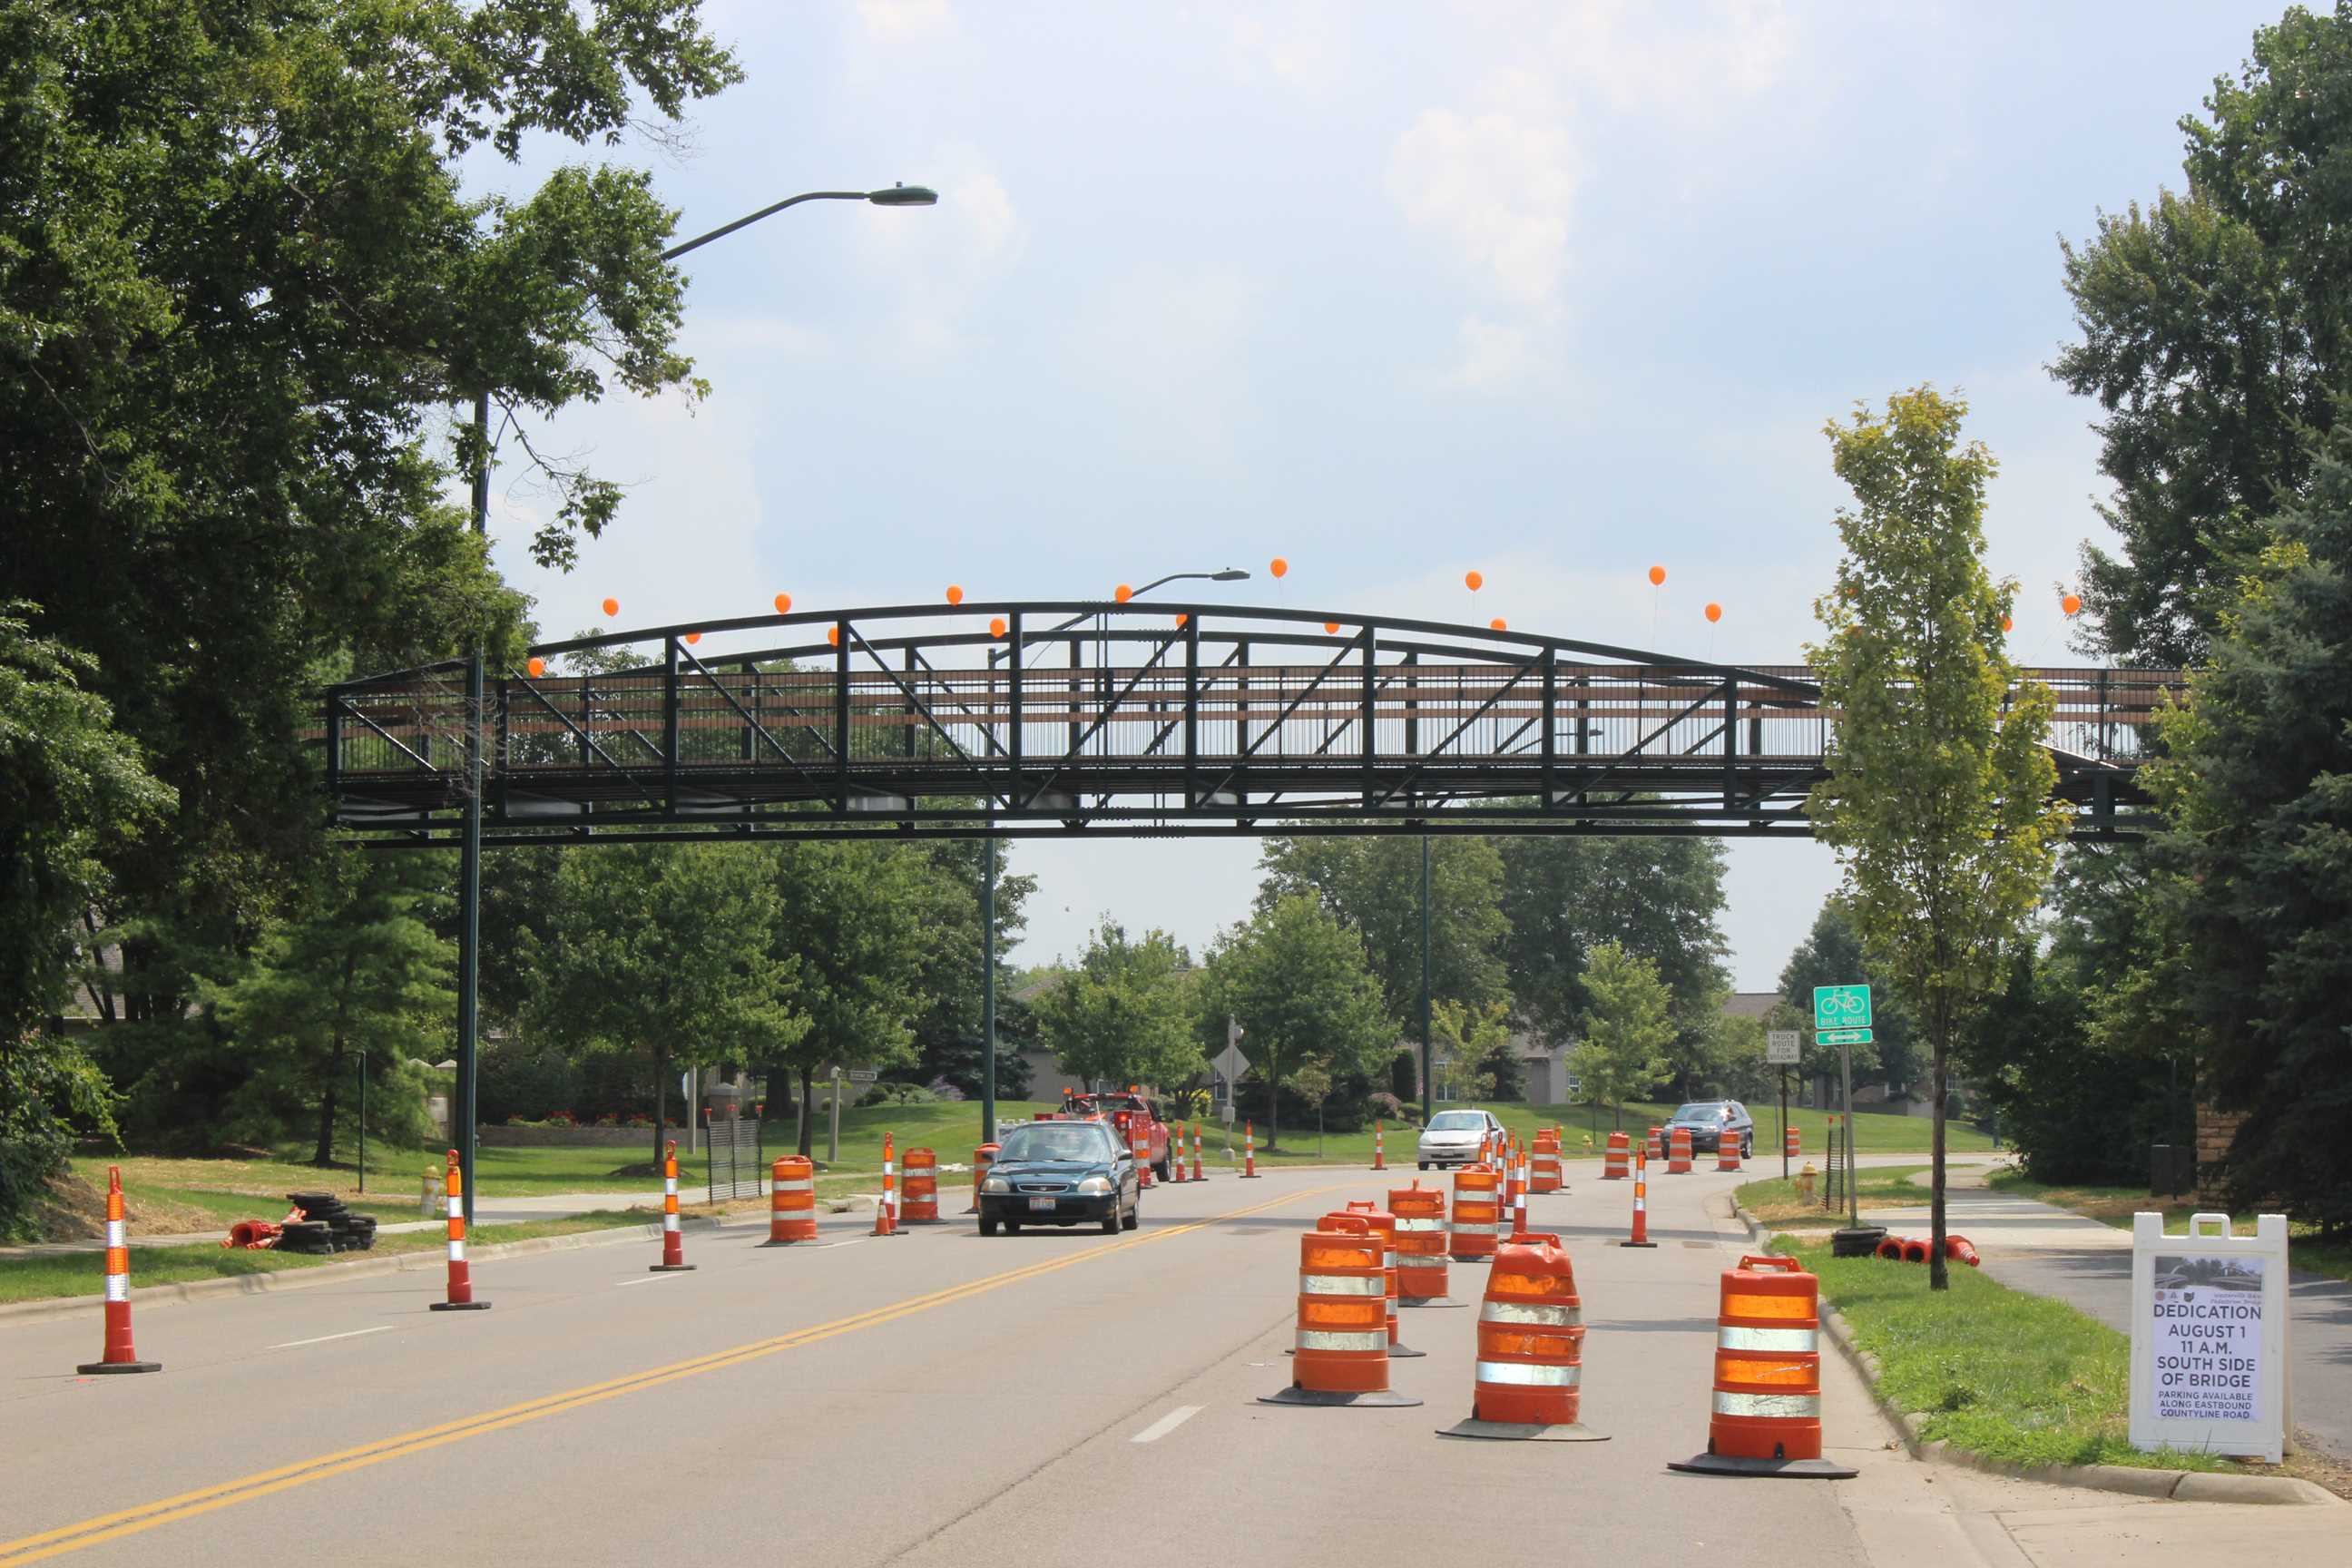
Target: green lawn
column 2015, row 1377
column 1875, row 1131
column 2116, row 1206
column 84, row 1274
column 1775, row 1201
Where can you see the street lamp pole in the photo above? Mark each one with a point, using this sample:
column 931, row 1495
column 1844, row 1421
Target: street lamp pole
column 470, row 856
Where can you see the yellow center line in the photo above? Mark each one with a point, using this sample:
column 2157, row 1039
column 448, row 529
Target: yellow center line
column 204, row 1500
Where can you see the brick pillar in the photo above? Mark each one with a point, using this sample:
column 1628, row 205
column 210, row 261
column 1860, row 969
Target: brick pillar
column 2215, row 1130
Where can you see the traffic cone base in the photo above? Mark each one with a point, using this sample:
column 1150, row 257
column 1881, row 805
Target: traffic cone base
column 1428, row 1303
column 91, row 1369
column 459, row 1306
column 1794, row 1469
column 1647, row 1244
column 1396, row 1352
column 671, row 1267
column 1522, row 1432
column 1388, row 1398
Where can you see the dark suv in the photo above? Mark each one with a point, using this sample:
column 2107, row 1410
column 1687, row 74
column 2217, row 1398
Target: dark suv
column 1709, row 1121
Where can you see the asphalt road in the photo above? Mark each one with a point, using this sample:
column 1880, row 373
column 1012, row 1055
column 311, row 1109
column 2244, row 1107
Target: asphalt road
column 1058, row 1397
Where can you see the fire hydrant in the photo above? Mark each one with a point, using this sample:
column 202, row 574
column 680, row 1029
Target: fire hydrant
column 1805, row 1183
column 428, row 1201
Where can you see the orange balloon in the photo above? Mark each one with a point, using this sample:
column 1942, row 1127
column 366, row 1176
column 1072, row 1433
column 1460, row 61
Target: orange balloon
column 538, row 666
column 1331, row 627
column 2009, row 622
column 1657, row 576
column 1123, row 594
column 996, row 625
column 612, row 607
column 2072, row 604
column 1180, row 619
column 1472, row 581
column 783, row 604
column 832, row 635
column 1499, row 624
column 955, row 593
column 693, row 637
column 1714, row 612
column 1278, row 567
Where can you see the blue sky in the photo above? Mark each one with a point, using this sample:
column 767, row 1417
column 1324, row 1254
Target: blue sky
column 1392, row 290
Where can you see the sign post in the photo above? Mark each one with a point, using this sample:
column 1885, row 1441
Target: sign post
column 2209, row 1334
column 1841, row 1018
column 1783, row 1050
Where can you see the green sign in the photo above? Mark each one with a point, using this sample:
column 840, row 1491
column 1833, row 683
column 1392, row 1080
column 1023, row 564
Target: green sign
column 1841, row 1007
column 1844, row 1037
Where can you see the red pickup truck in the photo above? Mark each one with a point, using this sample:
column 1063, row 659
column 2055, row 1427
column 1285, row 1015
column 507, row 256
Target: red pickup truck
column 1123, row 1112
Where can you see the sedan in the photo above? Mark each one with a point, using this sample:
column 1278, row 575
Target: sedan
column 1455, row 1137
column 1060, row 1174
column 1712, row 1120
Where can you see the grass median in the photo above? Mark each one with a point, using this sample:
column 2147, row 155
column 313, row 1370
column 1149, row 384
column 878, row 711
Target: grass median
column 1780, row 1202
column 2116, row 1206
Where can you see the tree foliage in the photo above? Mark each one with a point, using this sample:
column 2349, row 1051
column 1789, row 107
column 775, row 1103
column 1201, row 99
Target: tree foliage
column 1374, row 884
column 1832, row 955
column 1123, row 1014
column 1937, row 793
column 1299, row 981
column 1628, row 1027
column 1477, row 1041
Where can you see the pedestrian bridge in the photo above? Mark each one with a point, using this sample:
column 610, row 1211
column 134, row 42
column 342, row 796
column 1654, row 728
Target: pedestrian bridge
column 1186, row 720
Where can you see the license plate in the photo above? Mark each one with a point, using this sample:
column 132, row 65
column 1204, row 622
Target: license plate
column 1041, row 1203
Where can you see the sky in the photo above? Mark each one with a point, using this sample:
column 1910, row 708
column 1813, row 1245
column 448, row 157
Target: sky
column 1553, row 292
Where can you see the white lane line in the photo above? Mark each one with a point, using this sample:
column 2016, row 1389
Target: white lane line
column 851, row 1242
column 1166, row 1423
column 648, row 1280
column 322, row 1339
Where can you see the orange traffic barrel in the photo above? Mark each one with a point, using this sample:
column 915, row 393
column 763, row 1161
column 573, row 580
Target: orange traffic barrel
column 791, row 1201
column 1916, row 1249
column 1618, row 1162
column 1530, row 1371
column 1889, row 1248
column 1385, row 1222
column 1543, row 1166
column 1477, row 1212
column 981, row 1159
column 1790, row 1145
column 1767, row 1419
column 1658, row 1145
column 1678, row 1153
column 1342, row 1349
column 1726, row 1149
column 1421, row 1246
column 922, row 1191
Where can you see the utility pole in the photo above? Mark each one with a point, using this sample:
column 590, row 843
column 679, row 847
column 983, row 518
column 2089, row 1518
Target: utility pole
column 470, row 856
column 988, row 996
column 1425, row 982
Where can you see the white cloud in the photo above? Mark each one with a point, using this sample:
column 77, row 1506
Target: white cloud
column 1304, row 46
column 1640, row 58
column 942, row 260
column 1497, row 186
column 900, row 21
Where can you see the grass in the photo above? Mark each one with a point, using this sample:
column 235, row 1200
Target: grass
column 1775, row 1201
column 2116, row 1206
column 84, row 1274
column 2015, row 1377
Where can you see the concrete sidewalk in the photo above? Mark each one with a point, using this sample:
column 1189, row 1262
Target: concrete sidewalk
column 2049, row 1251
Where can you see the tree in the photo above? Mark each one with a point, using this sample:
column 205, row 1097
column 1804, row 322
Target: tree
column 240, row 275
column 1299, row 982
column 667, row 950
column 1477, row 1040
column 358, row 974
column 1628, row 1025
column 947, row 1033
column 68, row 782
column 2257, row 793
column 1832, row 954
column 1374, row 884
column 1937, row 793
column 1124, row 1013
column 2216, row 327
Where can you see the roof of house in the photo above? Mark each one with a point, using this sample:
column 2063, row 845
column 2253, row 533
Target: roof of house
column 1750, row 1004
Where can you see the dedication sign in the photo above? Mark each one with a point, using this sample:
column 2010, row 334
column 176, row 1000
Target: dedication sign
column 2209, row 1336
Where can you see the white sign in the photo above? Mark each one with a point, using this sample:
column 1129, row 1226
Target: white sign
column 2209, row 1336
column 1230, row 1064
column 1782, row 1047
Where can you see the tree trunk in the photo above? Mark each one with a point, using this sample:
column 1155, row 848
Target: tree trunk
column 808, row 1114
column 324, row 1155
column 1272, row 1107
column 661, row 1104
column 1938, row 1278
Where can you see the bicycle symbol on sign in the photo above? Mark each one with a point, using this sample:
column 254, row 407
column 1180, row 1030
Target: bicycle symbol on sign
column 1841, row 1007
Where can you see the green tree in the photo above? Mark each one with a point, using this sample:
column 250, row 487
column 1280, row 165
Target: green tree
column 2257, row 792
column 1374, row 884
column 68, row 782
column 1937, row 793
column 1299, row 981
column 948, row 1034
column 1124, row 1012
column 1832, row 955
column 2216, row 326
column 1477, row 1041
column 1628, row 1027
column 240, row 276
column 357, row 973
column 666, row 950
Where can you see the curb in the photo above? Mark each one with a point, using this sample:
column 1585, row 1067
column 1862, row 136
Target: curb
column 358, row 1268
column 2181, row 1486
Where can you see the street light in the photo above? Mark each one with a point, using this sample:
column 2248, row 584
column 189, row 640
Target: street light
column 470, row 854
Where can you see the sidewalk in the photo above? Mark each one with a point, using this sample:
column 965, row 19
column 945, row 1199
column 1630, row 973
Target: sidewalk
column 2046, row 1250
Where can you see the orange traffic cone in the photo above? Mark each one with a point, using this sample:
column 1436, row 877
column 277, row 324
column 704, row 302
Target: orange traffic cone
column 673, row 1244
column 118, row 1355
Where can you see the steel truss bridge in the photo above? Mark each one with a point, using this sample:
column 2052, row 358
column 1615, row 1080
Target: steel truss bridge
column 1179, row 720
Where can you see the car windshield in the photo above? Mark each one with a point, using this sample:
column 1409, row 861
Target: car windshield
column 1708, row 1111
column 1084, row 1140
column 1456, row 1122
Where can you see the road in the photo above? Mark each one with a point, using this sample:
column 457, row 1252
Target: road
column 940, row 1399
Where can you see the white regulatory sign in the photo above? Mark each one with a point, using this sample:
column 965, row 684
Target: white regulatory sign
column 2209, row 1336
column 1782, row 1047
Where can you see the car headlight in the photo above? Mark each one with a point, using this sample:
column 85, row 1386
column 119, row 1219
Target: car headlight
column 1095, row 1187
column 996, row 1184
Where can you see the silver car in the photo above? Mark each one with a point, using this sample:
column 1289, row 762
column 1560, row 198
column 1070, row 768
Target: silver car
column 1454, row 1137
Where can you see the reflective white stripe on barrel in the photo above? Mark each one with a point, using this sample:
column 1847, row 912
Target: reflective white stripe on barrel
column 1793, row 1405
column 1392, row 1254
column 1517, row 1312
column 114, row 1234
column 1731, row 1338
column 456, row 1250
column 1340, row 1285
column 118, row 1287
column 1334, row 1340
column 793, row 1187
column 1418, row 1223
column 456, row 1206
column 1529, row 1375
column 670, row 1221
column 1471, row 1227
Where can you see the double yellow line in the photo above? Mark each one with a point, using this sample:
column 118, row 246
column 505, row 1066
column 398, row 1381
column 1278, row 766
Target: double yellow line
column 189, row 1505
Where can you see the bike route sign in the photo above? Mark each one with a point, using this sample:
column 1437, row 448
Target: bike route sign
column 1841, row 1007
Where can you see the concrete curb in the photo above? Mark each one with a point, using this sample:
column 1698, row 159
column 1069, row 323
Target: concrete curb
column 2182, row 1486
column 357, row 1268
